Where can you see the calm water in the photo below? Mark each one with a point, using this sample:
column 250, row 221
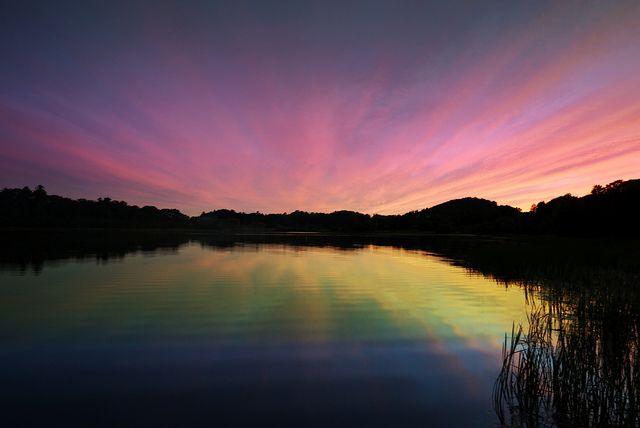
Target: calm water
column 253, row 333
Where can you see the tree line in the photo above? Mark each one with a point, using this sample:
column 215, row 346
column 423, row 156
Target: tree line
column 612, row 209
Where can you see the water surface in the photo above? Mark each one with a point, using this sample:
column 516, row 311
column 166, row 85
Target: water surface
column 257, row 333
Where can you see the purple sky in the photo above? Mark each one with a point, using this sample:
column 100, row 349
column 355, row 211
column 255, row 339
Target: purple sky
column 380, row 107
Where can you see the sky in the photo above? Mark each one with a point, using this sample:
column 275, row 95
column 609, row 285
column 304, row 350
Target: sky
column 272, row 106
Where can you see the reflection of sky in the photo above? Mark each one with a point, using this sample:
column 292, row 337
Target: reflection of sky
column 398, row 328
column 371, row 106
column 275, row 293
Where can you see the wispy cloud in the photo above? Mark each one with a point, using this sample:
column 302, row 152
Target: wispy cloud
column 319, row 108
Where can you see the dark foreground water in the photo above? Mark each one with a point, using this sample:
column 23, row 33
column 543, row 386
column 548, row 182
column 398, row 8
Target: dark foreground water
column 253, row 332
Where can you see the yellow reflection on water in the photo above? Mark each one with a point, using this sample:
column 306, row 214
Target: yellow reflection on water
column 272, row 292
column 420, row 294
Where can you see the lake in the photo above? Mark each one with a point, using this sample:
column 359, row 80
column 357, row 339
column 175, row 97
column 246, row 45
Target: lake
column 304, row 331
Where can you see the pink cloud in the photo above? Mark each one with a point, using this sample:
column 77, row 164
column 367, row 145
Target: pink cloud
column 545, row 111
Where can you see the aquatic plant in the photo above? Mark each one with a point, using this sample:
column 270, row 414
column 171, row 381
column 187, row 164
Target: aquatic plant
column 577, row 363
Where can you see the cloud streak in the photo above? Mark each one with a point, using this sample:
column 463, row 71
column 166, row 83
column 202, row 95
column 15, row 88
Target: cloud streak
column 382, row 109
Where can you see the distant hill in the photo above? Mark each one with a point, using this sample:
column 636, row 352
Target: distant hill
column 613, row 209
column 471, row 215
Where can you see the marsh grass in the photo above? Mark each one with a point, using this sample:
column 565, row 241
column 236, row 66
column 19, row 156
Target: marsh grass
column 577, row 363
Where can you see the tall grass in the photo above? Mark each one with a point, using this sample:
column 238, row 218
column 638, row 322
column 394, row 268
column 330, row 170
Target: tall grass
column 577, row 363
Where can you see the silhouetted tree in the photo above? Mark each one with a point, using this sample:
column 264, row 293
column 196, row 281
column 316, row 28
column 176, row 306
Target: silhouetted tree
column 608, row 210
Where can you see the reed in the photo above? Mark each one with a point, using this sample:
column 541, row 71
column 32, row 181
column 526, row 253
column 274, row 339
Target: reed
column 577, row 364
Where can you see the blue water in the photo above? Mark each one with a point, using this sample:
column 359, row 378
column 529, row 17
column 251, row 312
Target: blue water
column 259, row 334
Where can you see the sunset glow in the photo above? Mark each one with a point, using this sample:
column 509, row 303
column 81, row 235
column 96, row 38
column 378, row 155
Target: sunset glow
column 378, row 107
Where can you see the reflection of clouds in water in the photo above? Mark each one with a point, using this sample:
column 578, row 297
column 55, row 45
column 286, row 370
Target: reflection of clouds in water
column 312, row 294
column 407, row 328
